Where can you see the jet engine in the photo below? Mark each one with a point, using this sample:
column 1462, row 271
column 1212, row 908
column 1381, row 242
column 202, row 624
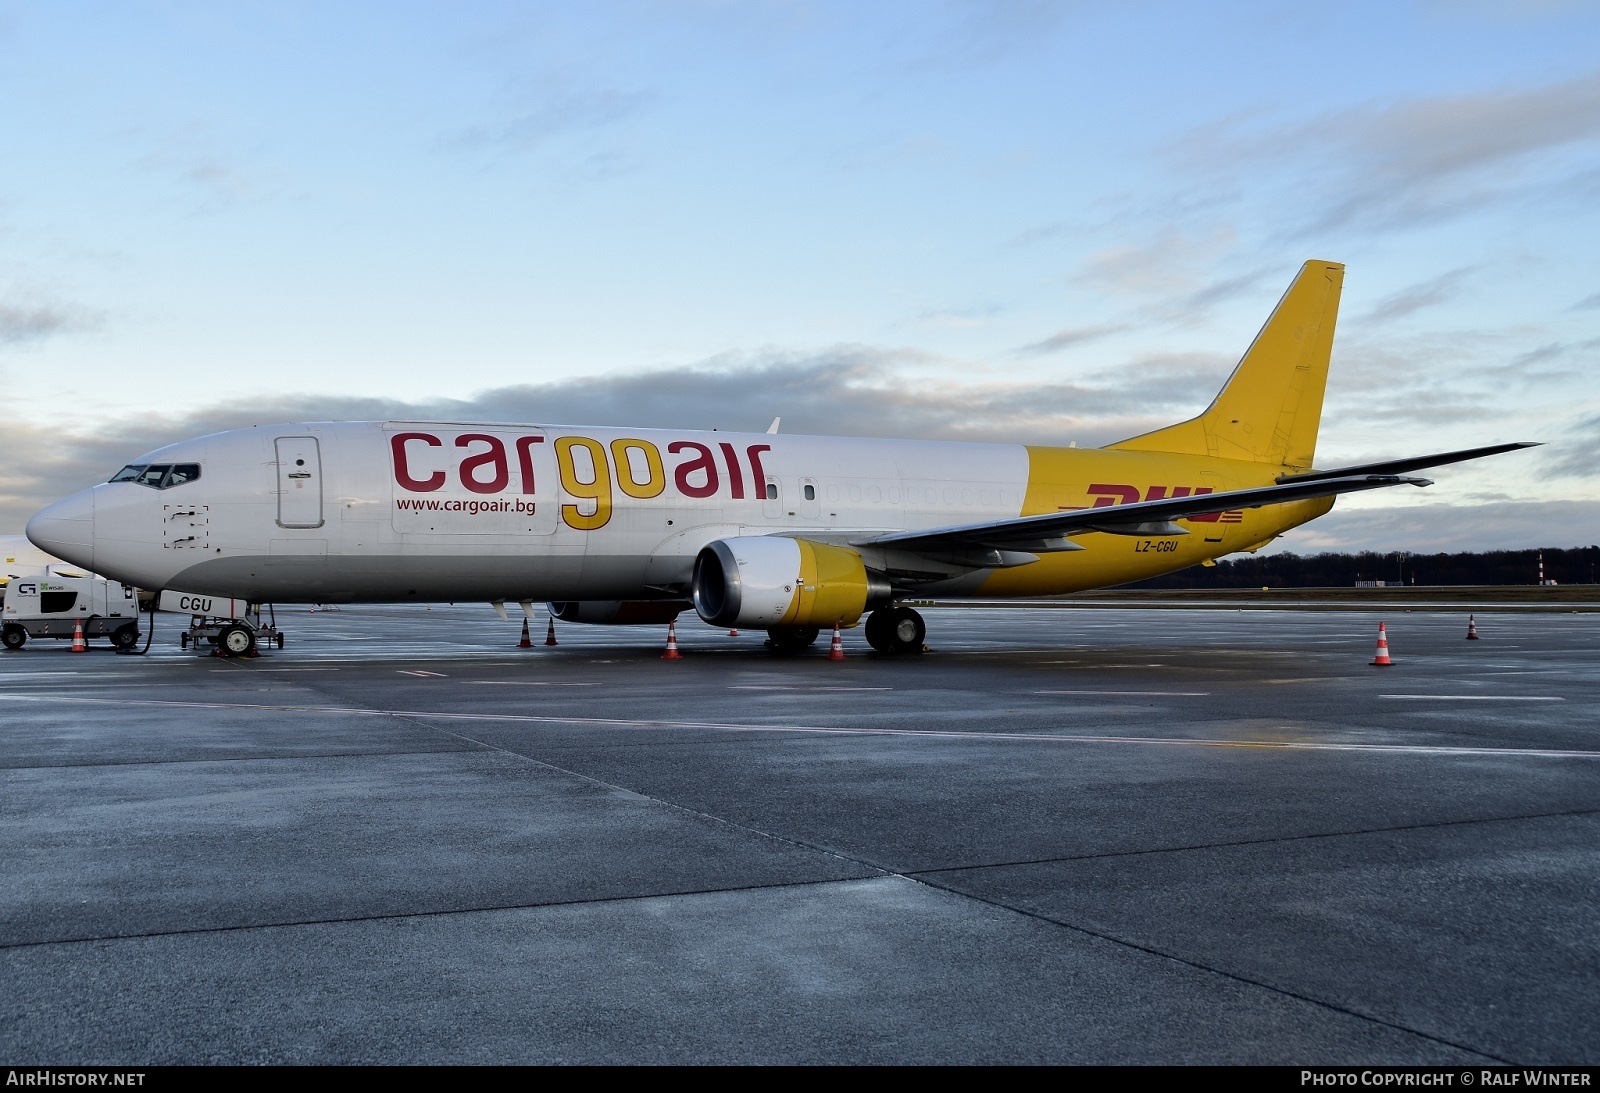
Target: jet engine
column 762, row 581
column 617, row 612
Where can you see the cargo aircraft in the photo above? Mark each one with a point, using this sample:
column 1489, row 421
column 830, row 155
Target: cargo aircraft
column 763, row 530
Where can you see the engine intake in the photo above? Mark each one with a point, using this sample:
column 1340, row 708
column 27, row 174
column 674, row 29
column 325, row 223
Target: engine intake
column 764, row 581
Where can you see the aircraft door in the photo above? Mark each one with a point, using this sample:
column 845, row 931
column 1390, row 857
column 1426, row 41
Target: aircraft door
column 299, row 482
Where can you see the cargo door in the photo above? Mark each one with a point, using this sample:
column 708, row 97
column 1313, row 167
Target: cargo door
column 299, row 482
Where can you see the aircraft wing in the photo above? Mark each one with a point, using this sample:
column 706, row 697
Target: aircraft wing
column 1401, row 466
column 1048, row 531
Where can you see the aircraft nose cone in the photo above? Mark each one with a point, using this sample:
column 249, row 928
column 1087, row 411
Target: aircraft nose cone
column 66, row 529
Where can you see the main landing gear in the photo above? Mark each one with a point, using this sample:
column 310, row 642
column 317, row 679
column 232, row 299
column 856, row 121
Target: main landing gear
column 896, row 630
column 889, row 630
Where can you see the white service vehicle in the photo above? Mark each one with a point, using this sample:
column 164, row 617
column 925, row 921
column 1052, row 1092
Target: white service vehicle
column 51, row 605
column 233, row 628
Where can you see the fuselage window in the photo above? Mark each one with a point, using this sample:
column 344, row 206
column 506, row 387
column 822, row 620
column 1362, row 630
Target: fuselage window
column 130, row 473
column 772, row 491
column 811, row 492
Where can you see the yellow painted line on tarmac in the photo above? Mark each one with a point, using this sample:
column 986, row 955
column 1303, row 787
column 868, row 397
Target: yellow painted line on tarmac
column 821, row 730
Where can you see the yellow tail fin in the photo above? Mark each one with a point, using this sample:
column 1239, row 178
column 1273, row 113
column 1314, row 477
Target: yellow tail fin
column 1269, row 409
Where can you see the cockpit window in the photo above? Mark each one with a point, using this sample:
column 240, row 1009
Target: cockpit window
column 158, row 476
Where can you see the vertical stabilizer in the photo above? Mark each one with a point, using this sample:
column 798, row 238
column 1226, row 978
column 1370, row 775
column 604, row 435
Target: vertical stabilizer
column 1269, row 409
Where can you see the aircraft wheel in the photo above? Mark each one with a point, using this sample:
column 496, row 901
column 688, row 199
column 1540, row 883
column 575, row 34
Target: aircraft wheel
column 880, row 629
column 791, row 639
column 237, row 641
column 906, row 630
column 14, row 636
column 125, row 637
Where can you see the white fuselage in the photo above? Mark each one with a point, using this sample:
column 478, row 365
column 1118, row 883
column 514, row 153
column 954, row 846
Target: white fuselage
column 384, row 511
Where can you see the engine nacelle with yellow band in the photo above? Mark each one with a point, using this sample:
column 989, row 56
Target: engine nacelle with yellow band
column 763, row 581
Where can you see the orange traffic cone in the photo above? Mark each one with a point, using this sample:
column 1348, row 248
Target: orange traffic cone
column 550, row 632
column 1472, row 628
column 78, row 644
column 672, row 642
column 836, row 650
column 526, row 642
column 1382, row 659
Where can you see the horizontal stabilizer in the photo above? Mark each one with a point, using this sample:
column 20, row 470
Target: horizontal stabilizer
column 1401, row 466
column 1121, row 519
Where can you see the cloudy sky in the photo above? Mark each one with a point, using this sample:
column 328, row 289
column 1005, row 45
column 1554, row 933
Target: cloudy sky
column 1017, row 220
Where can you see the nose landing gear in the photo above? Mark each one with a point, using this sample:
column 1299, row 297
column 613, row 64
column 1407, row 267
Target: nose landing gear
column 896, row 630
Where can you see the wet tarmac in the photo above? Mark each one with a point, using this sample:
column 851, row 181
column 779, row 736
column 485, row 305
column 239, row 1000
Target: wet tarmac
column 1064, row 835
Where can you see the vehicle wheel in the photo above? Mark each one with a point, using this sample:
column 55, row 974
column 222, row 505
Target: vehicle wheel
column 14, row 636
column 237, row 641
column 791, row 639
column 906, row 631
column 880, row 630
column 125, row 637
column 280, row 641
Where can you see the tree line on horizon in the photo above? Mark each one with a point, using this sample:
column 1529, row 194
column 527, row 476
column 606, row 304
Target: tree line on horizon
column 1578, row 565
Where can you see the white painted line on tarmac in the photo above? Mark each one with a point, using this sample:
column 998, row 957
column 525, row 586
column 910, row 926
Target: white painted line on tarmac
column 1482, row 698
column 821, row 730
column 248, row 669
column 524, row 683
column 797, row 687
column 408, row 672
column 1174, row 694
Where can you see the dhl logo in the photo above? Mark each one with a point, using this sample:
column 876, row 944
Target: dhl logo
column 1106, row 494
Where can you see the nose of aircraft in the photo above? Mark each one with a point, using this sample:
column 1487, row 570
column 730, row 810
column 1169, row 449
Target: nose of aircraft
column 66, row 529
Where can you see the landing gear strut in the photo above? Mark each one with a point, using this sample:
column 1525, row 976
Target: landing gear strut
column 896, row 630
